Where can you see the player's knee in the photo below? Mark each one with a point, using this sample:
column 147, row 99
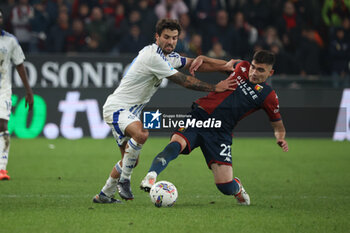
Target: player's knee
column 227, row 188
column 141, row 138
column 180, row 140
column 3, row 125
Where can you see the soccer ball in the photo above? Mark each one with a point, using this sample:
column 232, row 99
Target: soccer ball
column 163, row 194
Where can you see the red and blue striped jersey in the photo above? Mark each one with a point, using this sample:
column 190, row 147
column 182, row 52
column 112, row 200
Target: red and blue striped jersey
column 232, row 106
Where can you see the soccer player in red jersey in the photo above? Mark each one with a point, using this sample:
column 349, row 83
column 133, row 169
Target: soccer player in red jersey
column 227, row 109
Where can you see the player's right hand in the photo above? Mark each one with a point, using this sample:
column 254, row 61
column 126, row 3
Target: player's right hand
column 195, row 65
column 228, row 84
column 29, row 100
column 283, row 144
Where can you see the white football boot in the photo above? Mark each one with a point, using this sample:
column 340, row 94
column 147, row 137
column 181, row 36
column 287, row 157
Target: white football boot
column 148, row 181
column 242, row 196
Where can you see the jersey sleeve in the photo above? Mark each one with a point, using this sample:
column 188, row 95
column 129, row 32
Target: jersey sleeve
column 242, row 69
column 17, row 55
column 176, row 60
column 272, row 107
column 236, row 63
column 160, row 66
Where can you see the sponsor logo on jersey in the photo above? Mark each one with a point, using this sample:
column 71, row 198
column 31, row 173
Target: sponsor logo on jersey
column 3, row 50
column 181, row 129
column 243, row 69
column 258, row 87
column 246, row 89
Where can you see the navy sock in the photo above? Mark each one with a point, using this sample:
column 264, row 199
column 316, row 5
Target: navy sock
column 230, row 188
column 170, row 152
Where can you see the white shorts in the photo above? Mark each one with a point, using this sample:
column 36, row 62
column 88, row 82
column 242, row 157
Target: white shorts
column 5, row 107
column 120, row 119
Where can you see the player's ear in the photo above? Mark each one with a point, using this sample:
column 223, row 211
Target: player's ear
column 272, row 71
column 156, row 36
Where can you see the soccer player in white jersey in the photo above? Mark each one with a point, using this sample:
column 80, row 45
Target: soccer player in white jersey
column 122, row 108
column 10, row 51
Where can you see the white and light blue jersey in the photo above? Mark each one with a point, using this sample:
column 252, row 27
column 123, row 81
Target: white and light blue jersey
column 143, row 78
column 10, row 51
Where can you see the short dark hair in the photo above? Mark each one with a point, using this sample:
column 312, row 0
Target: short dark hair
column 171, row 24
column 264, row 57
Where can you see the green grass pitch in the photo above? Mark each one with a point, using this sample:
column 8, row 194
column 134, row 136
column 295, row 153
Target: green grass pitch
column 53, row 182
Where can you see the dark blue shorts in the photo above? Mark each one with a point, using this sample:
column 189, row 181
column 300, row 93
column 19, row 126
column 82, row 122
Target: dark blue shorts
column 215, row 144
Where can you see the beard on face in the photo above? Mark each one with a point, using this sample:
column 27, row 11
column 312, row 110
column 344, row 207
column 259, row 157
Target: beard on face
column 168, row 49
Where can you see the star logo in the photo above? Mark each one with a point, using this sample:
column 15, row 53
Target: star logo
column 151, row 120
column 243, row 69
column 156, row 115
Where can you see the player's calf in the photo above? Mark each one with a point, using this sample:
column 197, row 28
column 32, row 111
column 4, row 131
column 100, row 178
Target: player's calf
column 235, row 188
column 161, row 161
column 131, row 155
column 229, row 188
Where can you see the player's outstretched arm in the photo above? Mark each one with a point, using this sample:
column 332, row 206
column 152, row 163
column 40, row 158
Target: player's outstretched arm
column 196, row 84
column 280, row 134
column 207, row 64
column 29, row 93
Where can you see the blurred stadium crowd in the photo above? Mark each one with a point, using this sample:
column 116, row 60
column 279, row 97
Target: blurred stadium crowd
column 308, row 37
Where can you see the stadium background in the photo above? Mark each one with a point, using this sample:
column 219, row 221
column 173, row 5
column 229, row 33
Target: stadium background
column 53, row 181
column 85, row 46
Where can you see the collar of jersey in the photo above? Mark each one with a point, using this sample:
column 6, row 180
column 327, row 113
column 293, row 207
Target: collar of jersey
column 160, row 49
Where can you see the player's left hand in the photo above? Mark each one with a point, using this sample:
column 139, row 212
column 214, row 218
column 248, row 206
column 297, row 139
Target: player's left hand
column 283, row 144
column 29, row 100
column 228, row 84
column 229, row 65
column 195, row 65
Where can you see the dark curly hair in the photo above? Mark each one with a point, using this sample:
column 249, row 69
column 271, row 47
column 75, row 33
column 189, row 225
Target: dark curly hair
column 171, row 24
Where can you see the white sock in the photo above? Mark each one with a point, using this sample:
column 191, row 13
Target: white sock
column 130, row 157
column 110, row 187
column 4, row 149
column 118, row 167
